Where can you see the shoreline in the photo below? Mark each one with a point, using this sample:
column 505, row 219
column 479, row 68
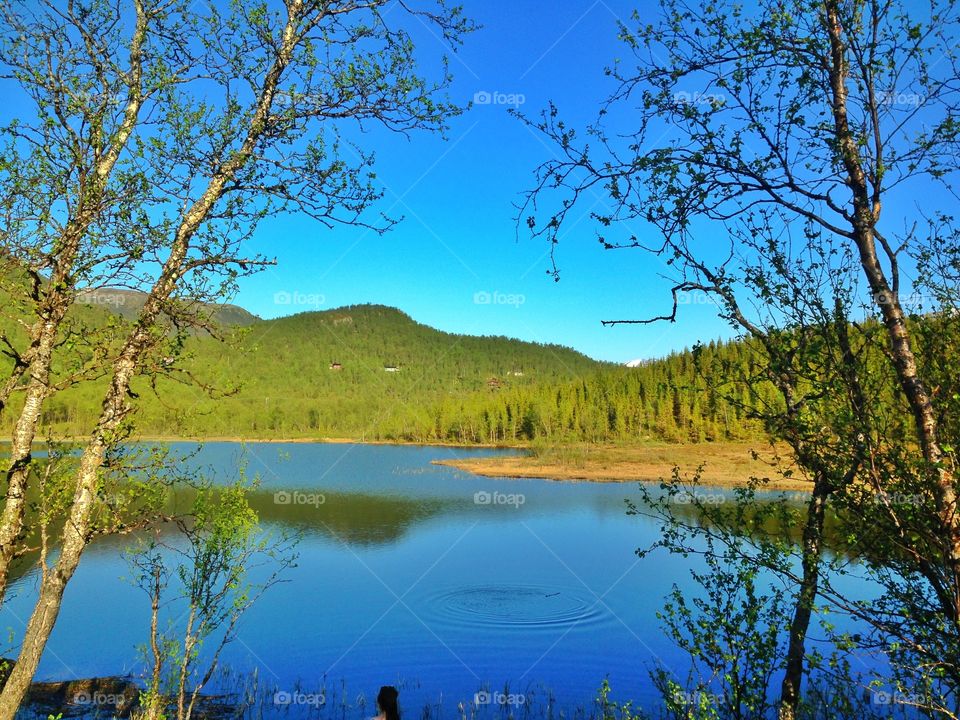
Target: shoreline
column 726, row 464
column 312, row 441
column 298, row 441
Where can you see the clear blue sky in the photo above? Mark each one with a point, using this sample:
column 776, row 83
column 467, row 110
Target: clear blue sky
column 457, row 243
column 457, row 195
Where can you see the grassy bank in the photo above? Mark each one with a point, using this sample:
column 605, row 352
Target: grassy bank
column 728, row 464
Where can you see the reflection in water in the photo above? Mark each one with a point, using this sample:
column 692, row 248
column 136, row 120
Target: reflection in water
column 409, row 573
column 350, row 517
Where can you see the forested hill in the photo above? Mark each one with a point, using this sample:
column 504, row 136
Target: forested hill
column 365, row 338
column 372, row 372
column 127, row 304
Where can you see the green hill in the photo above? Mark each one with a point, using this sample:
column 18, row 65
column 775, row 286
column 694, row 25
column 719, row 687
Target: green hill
column 364, row 371
column 127, row 303
column 372, row 372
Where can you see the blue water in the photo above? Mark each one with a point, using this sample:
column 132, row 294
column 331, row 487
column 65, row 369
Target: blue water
column 412, row 574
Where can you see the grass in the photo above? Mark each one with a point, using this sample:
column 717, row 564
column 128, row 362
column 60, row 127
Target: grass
column 729, row 464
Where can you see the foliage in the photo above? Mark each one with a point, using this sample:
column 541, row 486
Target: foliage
column 219, row 551
column 152, row 142
column 610, row 709
column 450, row 388
column 799, row 134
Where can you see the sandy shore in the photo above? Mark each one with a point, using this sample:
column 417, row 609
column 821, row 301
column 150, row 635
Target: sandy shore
column 725, row 464
column 728, row 464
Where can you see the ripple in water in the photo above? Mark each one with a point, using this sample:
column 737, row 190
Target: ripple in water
column 516, row 606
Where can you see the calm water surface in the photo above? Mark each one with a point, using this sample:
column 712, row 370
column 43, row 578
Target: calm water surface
column 412, row 574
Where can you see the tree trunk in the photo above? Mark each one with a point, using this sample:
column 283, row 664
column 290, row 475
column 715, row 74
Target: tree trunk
column 78, row 526
column 866, row 215
column 76, row 531
column 803, row 608
column 183, row 671
column 21, row 446
column 155, row 700
column 75, row 537
column 56, row 302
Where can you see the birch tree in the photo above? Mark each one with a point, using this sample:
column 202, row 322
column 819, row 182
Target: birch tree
column 803, row 134
column 74, row 187
column 266, row 129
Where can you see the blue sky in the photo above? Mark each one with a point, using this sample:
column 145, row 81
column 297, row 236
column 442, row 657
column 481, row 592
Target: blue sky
column 456, row 261
column 457, row 244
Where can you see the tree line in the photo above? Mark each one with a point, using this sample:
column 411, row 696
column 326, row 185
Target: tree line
column 448, row 388
column 149, row 140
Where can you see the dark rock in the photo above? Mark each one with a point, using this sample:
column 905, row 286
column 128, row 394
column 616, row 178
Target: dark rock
column 104, row 696
column 107, row 697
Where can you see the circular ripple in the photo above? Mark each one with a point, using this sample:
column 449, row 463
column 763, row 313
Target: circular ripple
column 516, row 606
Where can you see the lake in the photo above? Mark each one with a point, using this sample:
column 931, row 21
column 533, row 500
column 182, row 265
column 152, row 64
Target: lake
column 443, row 583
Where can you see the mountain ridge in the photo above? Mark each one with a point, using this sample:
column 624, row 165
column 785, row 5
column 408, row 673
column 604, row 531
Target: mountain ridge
column 126, row 303
column 372, row 372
